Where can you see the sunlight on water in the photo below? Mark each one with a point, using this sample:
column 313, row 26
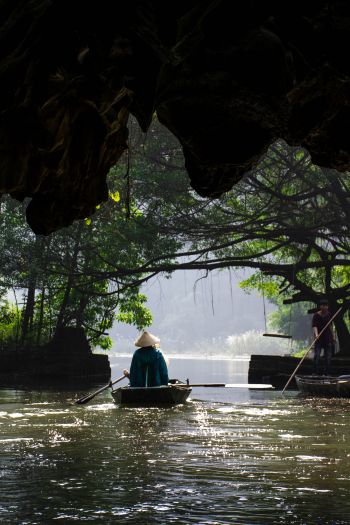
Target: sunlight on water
column 15, row 439
column 245, row 457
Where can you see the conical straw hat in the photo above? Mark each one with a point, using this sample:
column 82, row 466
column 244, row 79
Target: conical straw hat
column 147, row 339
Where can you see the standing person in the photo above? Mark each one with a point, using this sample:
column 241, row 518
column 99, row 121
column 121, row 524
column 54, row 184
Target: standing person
column 326, row 340
column 148, row 366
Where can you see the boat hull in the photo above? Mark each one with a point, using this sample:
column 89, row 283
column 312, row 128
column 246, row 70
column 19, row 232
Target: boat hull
column 344, row 386
column 322, row 386
column 152, row 396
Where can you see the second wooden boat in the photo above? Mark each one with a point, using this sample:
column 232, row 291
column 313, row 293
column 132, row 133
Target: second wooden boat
column 343, row 386
column 322, row 386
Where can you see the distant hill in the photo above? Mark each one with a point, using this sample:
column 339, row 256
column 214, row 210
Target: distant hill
column 196, row 316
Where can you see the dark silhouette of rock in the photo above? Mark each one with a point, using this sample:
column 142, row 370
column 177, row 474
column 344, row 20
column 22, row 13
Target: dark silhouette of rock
column 66, row 360
column 71, row 339
column 227, row 78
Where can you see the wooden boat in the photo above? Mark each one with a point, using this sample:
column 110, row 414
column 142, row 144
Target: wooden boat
column 172, row 394
column 324, row 386
column 343, row 386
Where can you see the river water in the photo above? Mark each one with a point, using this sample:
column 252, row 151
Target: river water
column 227, row 456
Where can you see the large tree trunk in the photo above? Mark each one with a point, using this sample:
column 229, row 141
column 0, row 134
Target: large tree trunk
column 49, row 311
column 29, row 309
column 64, row 305
column 41, row 317
column 79, row 317
column 34, row 277
column 69, row 284
column 343, row 335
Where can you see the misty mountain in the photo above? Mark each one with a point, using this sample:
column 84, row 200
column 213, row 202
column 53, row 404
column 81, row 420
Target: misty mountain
column 190, row 311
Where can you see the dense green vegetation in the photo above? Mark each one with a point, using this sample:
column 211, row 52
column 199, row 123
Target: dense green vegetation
column 47, row 281
column 288, row 221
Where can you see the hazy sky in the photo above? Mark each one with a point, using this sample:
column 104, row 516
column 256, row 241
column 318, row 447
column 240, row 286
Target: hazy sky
column 187, row 309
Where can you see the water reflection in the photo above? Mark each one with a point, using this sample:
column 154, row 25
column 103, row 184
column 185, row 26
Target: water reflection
column 226, row 457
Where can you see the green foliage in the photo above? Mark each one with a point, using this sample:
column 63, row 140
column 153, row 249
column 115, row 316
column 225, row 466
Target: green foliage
column 66, row 271
column 132, row 310
column 9, row 322
column 268, row 288
column 104, row 342
column 300, row 352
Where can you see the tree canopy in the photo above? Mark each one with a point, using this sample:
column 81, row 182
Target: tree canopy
column 287, row 220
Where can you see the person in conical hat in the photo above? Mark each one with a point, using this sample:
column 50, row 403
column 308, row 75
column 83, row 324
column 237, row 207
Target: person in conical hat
column 148, row 366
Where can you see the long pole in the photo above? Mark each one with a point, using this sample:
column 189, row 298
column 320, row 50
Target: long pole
column 312, row 344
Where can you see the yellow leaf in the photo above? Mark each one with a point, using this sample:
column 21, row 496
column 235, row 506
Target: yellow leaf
column 87, row 221
column 115, row 196
column 98, row 207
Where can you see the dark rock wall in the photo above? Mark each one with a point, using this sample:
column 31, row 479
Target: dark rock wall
column 66, row 358
column 227, row 78
column 276, row 370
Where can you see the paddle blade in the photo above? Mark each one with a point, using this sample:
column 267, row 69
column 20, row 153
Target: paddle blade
column 88, row 398
column 83, row 400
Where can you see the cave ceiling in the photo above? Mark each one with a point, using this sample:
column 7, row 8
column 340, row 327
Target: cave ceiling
column 226, row 78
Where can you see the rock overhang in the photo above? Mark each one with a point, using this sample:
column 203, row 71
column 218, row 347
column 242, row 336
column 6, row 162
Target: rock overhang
column 226, row 78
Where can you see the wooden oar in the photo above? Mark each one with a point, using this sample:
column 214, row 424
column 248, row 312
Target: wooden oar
column 229, row 385
column 312, row 344
column 87, row 398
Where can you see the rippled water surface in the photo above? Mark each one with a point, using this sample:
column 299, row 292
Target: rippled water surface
column 228, row 456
